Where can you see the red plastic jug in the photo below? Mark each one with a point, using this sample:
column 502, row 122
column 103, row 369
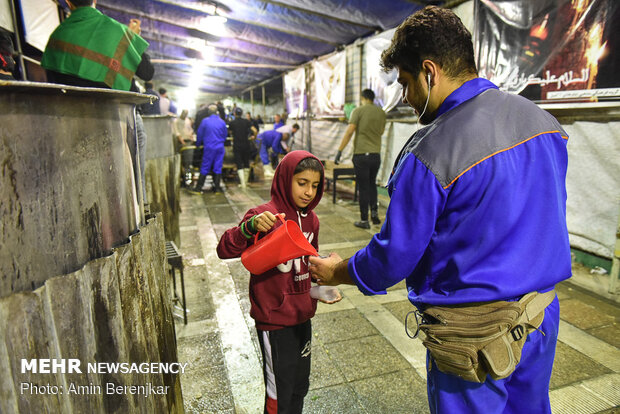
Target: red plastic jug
column 281, row 245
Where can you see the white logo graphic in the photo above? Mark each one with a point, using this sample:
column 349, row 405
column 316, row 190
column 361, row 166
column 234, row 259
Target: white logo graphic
column 307, row 349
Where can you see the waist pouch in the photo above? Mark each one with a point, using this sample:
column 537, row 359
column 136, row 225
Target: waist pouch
column 475, row 340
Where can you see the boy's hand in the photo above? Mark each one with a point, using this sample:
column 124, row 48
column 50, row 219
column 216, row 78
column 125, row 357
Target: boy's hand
column 265, row 221
column 331, row 296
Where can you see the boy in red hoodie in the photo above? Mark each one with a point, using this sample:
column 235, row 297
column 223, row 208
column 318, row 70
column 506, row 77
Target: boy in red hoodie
column 280, row 298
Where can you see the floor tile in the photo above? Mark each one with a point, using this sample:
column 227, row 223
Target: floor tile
column 397, row 392
column 341, row 326
column 366, row 357
column 571, row 366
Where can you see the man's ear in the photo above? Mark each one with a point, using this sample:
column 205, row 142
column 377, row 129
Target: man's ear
column 430, row 69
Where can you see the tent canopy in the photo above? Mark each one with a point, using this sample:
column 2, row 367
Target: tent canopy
column 259, row 40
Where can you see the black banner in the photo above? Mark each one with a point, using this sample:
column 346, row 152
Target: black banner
column 550, row 50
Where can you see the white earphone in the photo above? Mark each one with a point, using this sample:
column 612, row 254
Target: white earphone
column 428, row 79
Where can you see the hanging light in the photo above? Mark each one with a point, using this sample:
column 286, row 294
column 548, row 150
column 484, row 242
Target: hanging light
column 216, row 19
column 207, row 51
column 214, row 24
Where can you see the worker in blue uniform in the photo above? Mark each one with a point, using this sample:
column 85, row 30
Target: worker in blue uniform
column 273, row 143
column 477, row 210
column 212, row 134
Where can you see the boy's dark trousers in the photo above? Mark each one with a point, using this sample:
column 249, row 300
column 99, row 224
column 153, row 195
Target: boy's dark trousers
column 286, row 367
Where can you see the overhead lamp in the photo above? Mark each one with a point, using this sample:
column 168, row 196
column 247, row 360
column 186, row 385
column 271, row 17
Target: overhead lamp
column 216, row 19
column 214, row 24
column 207, row 51
column 196, row 43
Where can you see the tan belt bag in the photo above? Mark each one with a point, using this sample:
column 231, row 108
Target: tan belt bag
column 473, row 340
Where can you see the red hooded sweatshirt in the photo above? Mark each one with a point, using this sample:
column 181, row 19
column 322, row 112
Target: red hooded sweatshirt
column 280, row 297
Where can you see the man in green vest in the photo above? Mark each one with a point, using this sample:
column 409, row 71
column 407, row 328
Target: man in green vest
column 90, row 49
column 94, row 48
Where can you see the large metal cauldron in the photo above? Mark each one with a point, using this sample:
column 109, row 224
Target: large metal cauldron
column 67, row 183
column 159, row 142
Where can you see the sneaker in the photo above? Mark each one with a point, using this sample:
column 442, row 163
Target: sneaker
column 194, row 190
column 375, row 220
column 363, row 224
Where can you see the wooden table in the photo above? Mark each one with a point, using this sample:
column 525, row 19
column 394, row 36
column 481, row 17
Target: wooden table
column 334, row 172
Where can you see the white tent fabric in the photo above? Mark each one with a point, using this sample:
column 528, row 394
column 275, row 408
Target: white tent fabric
column 41, row 18
column 395, row 136
column 384, row 85
column 593, row 185
column 326, row 136
column 6, row 21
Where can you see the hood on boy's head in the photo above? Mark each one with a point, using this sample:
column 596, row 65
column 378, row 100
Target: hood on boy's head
column 283, row 179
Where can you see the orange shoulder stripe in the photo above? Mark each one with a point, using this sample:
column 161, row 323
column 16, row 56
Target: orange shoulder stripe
column 497, row 152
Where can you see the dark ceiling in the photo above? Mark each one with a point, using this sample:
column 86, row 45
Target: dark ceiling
column 261, row 39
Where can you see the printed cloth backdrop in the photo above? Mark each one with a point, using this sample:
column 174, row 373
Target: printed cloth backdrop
column 548, row 49
column 295, row 92
column 329, row 85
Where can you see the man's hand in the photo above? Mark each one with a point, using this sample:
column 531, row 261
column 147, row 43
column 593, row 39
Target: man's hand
column 338, row 155
column 328, row 271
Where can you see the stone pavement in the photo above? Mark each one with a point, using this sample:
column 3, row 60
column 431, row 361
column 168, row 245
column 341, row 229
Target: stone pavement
column 362, row 360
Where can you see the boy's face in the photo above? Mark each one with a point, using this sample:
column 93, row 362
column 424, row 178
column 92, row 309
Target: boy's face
column 304, row 187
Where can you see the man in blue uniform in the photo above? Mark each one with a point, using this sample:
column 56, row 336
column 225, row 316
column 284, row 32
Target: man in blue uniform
column 272, row 143
column 212, row 134
column 477, row 210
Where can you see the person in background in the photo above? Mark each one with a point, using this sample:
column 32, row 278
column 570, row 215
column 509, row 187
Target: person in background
column 76, row 54
column 152, row 107
column 259, row 120
column 241, row 130
column 254, row 123
column 212, row 135
column 221, row 110
column 7, row 63
column 78, row 49
column 201, row 113
column 271, row 145
column 281, row 305
column 477, row 215
column 184, row 138
column 253, row 141
column 368, row 124
column 166, row 106
column 182, row 130
column 277, row 121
